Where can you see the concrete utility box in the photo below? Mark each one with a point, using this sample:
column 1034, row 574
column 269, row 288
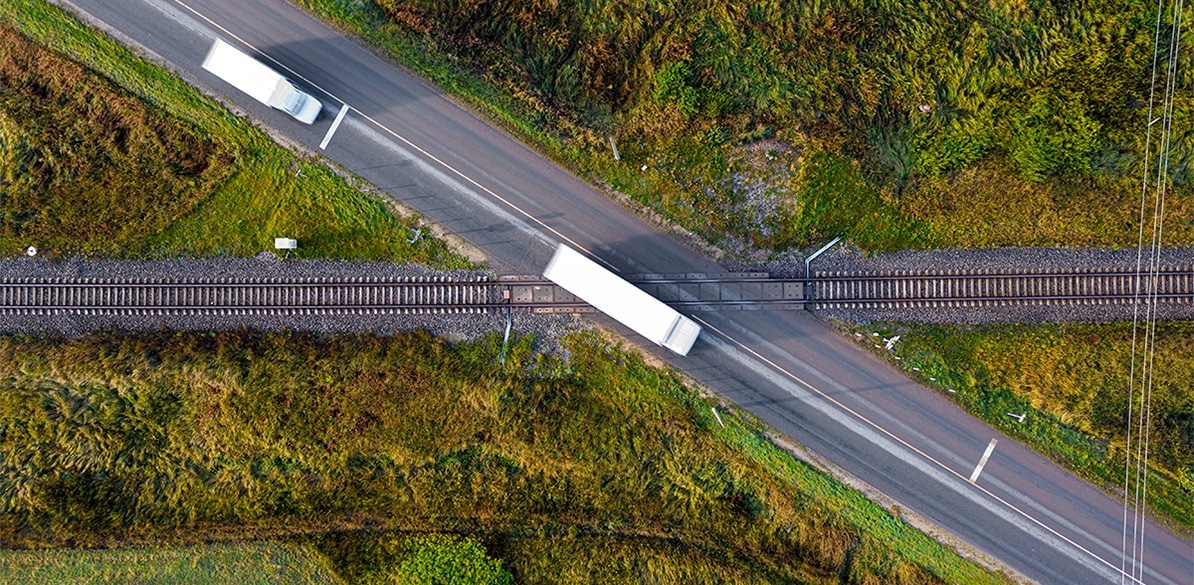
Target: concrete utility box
column 285, row 243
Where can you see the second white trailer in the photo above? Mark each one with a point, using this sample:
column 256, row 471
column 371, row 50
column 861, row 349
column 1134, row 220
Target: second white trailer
column 628, row 304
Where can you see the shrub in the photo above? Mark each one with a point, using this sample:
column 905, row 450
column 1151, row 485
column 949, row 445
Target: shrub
column 438, row 559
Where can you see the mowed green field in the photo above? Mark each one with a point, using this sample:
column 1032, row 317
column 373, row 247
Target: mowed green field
column 257, row 563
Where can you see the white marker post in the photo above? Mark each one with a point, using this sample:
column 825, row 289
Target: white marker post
column 723, row 425
column 983, row 461
column 614, row 145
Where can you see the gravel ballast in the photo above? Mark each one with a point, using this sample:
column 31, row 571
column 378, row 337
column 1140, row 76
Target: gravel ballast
column 456, row 327
column 841, row 258
column 844, row 258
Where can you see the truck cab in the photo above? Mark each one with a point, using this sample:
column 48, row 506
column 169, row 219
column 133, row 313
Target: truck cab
column 288, row 98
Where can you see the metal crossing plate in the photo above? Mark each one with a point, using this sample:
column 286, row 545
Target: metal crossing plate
column 733, row 291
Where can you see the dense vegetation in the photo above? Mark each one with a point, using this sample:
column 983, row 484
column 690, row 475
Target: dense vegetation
column 1073, row 378
column 419, row 559
column 776, row 123
column 104, row 155
column 601, row 460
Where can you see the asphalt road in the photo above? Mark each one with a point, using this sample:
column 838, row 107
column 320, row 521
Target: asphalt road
column 785, row 366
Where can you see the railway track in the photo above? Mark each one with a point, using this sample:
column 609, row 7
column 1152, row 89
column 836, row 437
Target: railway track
column 973, row 289
column 246, row 296
column 686, row 291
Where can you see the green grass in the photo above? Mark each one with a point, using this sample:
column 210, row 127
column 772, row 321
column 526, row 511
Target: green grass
column 1032, row 135
column 428, row 558
column 105, row 155
column 247, row 564
column 128, row 437
column 1072, row 380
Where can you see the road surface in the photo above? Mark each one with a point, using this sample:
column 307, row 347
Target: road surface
column 787, row 367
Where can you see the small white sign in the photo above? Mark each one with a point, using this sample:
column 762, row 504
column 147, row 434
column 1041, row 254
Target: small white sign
column 285, row 243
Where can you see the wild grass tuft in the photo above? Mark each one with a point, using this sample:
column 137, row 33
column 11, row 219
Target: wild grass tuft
column 125, row 437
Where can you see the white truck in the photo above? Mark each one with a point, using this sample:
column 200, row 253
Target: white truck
column 260, row 82
column 621, row 300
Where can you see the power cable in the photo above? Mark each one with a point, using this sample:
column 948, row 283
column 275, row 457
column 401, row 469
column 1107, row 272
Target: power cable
column 1136, row 296
column 1148, row 343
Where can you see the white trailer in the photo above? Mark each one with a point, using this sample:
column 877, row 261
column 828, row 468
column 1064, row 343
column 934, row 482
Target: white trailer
column 260, row 82
column 621, row 300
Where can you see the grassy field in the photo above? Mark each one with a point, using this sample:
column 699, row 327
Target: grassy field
column 779, row 125
column 104, row 155
column 246, row 564
column 1072, row 379
column 600, row 461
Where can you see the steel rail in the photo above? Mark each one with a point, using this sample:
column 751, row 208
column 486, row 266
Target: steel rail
column 932, row 275
column 980, row 288
column 438, row 294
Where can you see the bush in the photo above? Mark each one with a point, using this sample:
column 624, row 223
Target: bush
column 438, row 559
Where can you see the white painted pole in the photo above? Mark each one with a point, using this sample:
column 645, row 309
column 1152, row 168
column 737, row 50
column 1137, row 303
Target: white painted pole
column 723, row 425
column 808, row 275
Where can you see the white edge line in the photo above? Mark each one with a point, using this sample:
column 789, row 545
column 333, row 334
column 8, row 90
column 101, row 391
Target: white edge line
column 982, row 462
column 408, row 142
column 336, row 124
column 947, row 469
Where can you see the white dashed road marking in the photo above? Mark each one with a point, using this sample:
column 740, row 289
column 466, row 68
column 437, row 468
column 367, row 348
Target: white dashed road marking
column 983, row 461
column 339, row 118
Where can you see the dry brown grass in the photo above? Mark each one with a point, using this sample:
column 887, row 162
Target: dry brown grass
column 990, row 206
column 86, row 165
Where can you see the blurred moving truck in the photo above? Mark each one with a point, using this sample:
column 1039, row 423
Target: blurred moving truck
column 260, row 82
column 630, row 305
